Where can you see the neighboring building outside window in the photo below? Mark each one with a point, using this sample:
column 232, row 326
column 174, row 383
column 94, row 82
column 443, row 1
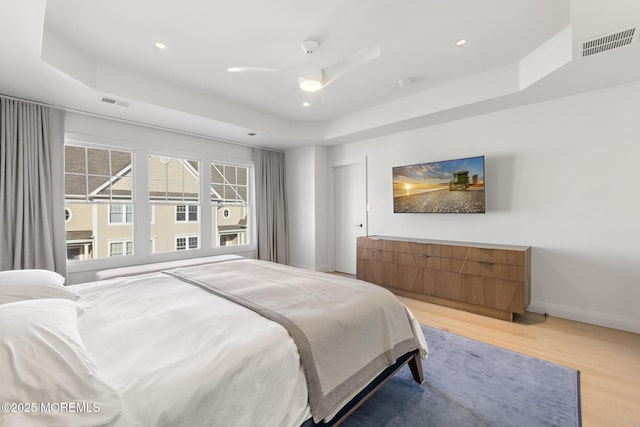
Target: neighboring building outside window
column 230, row 204
column 98, row 194
column 174, row 193
column 99, row 202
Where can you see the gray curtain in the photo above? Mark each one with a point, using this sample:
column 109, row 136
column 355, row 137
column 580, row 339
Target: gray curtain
column 31, row 187
column 271, row 206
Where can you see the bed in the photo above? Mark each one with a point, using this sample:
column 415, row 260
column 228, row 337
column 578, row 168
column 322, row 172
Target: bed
column 221, row 340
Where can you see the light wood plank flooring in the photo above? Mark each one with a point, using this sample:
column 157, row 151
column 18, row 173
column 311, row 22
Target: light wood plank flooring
column 608, row 359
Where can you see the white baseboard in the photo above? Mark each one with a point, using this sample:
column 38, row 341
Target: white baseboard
column 587, row 316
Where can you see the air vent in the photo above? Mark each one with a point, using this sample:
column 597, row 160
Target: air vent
column 608, row 42
column 114, row 101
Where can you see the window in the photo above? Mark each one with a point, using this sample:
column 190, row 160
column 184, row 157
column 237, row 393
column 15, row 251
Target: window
column 230, row 204
column 120, row 248
column 120, row 214
column 99, row 192
column 183, row 243
column 174, row 193
column 186, row 213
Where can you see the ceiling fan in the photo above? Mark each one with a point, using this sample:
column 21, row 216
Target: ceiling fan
column 311, row 77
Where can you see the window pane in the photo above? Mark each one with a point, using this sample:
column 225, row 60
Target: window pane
column 230, row 175
column 229, row 197
column 191, row 189
column 217, row 174
column 122, row 188
column 98, row 162
column 92, row 228
column 181, row 243
column 217, row 192
column 181, row 213
column 193, row 243
column 95, row 178
column 96, row 230
column 193, row 213
column 175, row 179
column 243, row 174
column 170, row 223
column 75, row 186
column 115, row 249
column 230, row 225
column 157, row 190
column 120, row 162
column 115, row 214
column 99, row 187
column 243, row 194
column 74, row 160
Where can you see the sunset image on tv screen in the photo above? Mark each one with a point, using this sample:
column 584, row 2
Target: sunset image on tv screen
column 451, row 186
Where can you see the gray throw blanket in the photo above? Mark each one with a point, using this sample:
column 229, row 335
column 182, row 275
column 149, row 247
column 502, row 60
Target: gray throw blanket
column 346, row 331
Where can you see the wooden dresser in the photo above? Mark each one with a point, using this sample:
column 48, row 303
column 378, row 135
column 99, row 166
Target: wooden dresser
column 488, row 279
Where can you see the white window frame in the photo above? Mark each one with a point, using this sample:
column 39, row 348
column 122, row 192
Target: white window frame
column 141, row 201
column 248, row 204
column 85, row 143
column 152, row 213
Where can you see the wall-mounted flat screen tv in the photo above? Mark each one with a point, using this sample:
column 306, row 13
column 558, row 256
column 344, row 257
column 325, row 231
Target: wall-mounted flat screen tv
column 450, row 186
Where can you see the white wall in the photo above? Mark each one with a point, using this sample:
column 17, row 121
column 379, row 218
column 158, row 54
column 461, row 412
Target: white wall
column 300, row 187
column 142, row 139
column 561, row 176
column 307, row 194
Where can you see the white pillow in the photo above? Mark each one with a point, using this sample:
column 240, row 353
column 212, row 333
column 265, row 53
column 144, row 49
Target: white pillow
column 44, row 364
column 19, row 285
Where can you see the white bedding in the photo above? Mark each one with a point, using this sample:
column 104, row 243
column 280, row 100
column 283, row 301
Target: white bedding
column 181, row 356
column 188, row 374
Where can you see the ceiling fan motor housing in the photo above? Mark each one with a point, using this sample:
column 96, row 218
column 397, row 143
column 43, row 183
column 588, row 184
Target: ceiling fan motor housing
column 309, row 46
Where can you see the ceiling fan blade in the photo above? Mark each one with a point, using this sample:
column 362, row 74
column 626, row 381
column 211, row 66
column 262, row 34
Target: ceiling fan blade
column 251, row 69
column 331, row 73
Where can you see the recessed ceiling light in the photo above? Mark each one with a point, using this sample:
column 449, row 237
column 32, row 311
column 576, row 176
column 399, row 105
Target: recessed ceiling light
column 461, row 42
column 160, row 46
column 305, row 104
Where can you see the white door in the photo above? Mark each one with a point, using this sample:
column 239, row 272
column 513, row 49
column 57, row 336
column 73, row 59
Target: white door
column 349, row 213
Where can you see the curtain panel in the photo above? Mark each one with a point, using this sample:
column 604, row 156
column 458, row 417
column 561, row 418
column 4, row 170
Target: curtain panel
column 271, row 206
column 31, row 187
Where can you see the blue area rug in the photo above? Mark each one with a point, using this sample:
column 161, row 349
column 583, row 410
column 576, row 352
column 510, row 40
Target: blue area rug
column 469, row 383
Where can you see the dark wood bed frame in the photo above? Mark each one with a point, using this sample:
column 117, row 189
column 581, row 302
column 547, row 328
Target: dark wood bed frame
column 415, row 365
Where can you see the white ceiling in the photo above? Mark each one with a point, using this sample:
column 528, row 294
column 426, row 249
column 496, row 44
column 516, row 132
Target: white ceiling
column 70, row 52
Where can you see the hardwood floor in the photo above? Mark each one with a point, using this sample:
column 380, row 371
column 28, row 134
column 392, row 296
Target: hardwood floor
column 608, row 359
